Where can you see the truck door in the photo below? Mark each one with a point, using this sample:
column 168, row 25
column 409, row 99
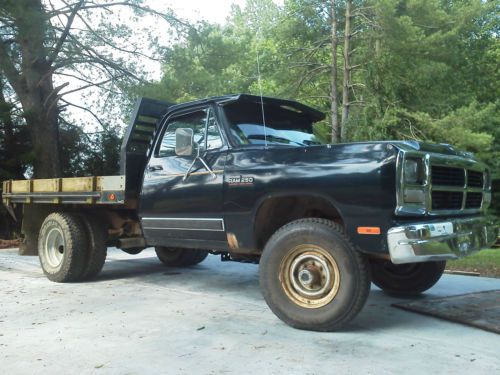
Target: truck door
column 175, row 205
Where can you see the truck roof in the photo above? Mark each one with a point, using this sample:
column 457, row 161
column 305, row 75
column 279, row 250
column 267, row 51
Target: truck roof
column 314, row 114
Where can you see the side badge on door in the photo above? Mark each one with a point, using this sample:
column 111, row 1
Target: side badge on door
column 240, row 180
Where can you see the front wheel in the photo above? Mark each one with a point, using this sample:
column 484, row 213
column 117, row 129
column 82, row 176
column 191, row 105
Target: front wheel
column 312, row 277
column 406, row 279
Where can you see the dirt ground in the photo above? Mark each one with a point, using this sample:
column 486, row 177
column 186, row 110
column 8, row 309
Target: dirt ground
column 5, row 244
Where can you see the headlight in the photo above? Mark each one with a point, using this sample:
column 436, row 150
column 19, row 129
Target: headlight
column 413, row 171
column 487, row 179
column 414, row 195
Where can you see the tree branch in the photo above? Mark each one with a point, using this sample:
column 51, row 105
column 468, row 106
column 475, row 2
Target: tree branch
column 89, row 111
column 65, row 33
column 9, row 68
column 91, row 84
column 54, row 93
column 167, row 17
column 65, row 74
column 109, row 43
column 92, row 56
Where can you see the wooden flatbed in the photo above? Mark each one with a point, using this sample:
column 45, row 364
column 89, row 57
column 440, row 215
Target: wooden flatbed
column 74, row 190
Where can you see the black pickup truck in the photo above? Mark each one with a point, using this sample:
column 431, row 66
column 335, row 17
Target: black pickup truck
column 245, row 177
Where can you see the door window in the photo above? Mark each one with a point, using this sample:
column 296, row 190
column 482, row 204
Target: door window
column 205, row 131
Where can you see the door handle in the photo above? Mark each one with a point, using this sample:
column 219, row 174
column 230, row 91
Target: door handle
column 153, row 168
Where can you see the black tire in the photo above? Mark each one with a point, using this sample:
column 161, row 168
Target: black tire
column 133, row 250
column 351, row 274
column 62, row 247
column 97, row 250
column 406, row 279
column 176, row 257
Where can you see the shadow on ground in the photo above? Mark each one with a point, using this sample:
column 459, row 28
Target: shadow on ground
column 213, row 277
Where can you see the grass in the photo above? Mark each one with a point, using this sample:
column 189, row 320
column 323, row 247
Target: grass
column 486, row 263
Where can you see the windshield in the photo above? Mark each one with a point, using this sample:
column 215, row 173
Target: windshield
column 284, row 125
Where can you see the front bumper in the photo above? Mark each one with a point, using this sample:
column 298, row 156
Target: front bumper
column 451, row 239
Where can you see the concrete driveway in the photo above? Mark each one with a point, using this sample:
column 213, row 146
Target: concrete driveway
column 142, row 318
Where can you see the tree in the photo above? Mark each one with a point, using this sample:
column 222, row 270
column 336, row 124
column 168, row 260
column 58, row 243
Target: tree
column 42, row 42
column 336, row 130
column 346, row 85
column 13, row 145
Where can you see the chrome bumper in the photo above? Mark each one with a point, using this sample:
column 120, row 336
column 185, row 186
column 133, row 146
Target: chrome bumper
column 444, row 240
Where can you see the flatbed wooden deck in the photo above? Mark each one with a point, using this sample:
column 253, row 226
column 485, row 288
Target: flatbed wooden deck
column 75, row 190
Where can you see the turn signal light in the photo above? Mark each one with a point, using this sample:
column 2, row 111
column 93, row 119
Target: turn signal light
column 368, row 230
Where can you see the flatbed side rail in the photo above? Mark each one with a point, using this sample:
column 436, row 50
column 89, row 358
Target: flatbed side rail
column 75, row 190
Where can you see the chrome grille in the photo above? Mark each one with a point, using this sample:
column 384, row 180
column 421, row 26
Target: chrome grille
column 447, row 176
column 475, row 179
column 447, row 200
column 449, row 184
column 473, row 200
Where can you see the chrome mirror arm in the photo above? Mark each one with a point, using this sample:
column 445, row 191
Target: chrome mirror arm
column 207, row 167
column 198, row 157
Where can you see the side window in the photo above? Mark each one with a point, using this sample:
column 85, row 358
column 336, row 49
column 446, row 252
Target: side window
column 196, row 121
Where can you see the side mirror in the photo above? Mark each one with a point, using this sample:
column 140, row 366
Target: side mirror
column 184, row 142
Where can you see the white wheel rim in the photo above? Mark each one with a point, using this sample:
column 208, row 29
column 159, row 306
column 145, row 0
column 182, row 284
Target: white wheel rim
column 54, row 247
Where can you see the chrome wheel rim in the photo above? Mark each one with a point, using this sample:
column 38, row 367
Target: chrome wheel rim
column 54, row 247
column 309, row 276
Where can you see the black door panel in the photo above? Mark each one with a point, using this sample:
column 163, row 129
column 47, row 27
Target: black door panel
column 174, row 206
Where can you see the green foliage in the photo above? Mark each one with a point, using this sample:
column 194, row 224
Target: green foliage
column 486, row 263
column 90, row 154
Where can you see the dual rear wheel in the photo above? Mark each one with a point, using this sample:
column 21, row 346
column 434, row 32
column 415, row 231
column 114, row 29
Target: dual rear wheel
column 71, row 247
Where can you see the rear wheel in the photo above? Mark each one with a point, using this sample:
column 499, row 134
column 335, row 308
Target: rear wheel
column 312, row 277
column 62, row 247
column 176, row 257
column 406, row 279
column 97, row 250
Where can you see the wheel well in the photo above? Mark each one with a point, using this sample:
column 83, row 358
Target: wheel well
column 278, row 211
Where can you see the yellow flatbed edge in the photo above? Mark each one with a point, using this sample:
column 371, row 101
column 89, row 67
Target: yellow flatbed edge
column 83, row 190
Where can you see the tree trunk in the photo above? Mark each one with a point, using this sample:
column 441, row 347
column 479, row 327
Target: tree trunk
column 41, row 114
column 377, row 81
column 347, row 70
column 37, row 94
column 44, row 132
column 335, row 137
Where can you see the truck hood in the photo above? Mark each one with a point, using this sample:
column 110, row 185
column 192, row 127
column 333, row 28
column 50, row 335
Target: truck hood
column 437, row 148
